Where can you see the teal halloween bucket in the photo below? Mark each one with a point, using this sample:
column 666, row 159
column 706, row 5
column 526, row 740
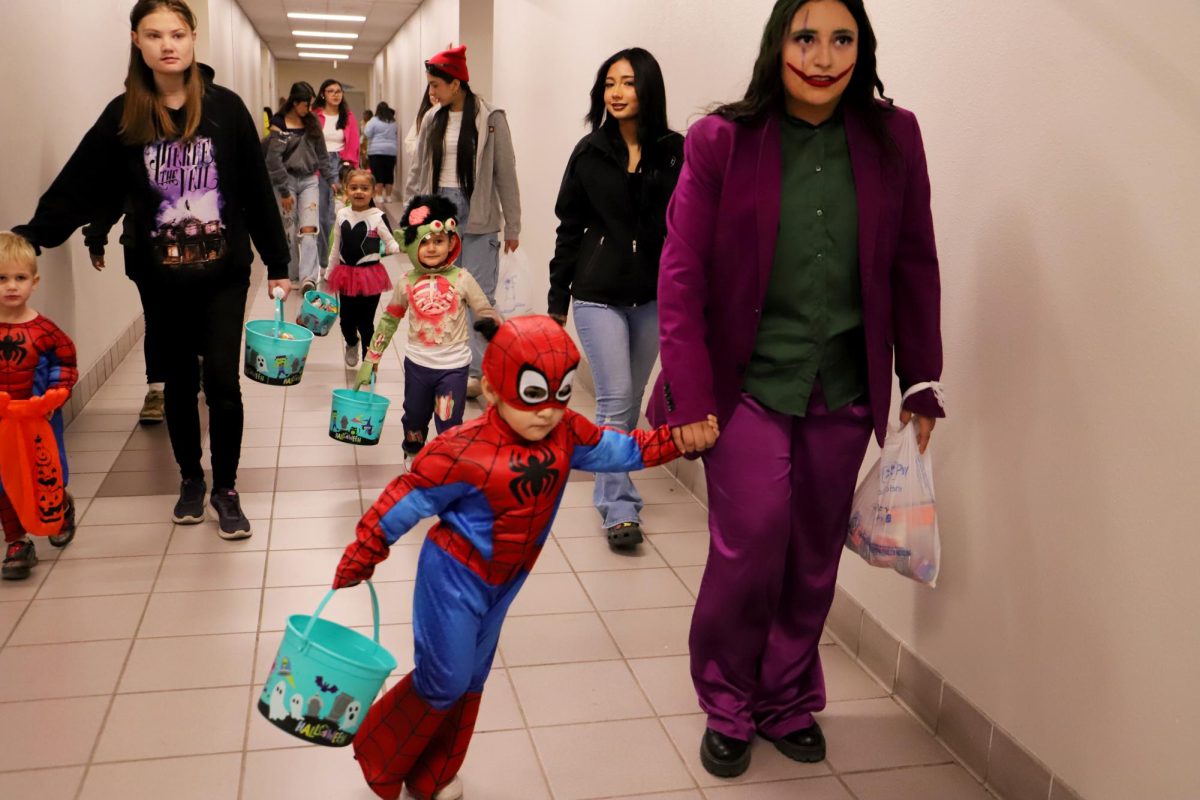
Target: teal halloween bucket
column 324, row 678
column 357, row 417
column 318, row 312
column 276, row 350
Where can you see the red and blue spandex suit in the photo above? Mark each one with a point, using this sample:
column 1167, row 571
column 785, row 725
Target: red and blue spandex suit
column 35, row 356
column 496, row 495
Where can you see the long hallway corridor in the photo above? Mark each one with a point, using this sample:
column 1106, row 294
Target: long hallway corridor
column 133, row 659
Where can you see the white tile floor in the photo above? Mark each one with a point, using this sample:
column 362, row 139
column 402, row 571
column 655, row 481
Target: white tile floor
column 132, row 659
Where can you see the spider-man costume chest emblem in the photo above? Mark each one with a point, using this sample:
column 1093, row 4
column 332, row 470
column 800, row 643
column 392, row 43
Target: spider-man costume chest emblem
column 534, row 476
column 12, row 347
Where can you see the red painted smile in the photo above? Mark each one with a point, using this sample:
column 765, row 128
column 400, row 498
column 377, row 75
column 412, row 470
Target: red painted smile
column 820, row 81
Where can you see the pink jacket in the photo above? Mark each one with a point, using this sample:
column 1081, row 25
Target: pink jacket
column 353, row 140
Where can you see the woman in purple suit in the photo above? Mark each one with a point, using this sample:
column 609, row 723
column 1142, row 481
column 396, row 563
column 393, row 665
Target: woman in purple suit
column 800, row 255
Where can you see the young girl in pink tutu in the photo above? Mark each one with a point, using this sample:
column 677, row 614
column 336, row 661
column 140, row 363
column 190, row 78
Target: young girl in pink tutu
column 355, row 270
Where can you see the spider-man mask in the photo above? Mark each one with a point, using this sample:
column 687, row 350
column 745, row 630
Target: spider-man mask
column 531, row 363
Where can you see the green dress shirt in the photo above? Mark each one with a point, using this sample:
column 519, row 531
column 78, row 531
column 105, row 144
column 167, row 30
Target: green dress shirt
column 811, row 326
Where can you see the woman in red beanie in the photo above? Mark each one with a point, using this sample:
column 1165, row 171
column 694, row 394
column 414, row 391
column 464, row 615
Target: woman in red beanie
column 465, row 153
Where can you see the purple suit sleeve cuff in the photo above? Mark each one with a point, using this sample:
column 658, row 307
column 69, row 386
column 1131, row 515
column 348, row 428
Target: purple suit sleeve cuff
column 925, row 403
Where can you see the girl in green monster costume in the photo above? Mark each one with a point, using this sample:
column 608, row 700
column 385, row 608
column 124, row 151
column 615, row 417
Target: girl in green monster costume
column 438, row 293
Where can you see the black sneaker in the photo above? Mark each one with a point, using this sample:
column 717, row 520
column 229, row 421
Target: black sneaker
column 67, row 532
column 19, row 558
column 232, row 523
column 190, row 508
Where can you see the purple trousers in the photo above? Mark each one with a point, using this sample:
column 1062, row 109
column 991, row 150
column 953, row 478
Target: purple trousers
column 779, row 495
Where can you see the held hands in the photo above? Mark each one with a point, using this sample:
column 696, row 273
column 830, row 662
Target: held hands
column 696, row 437
column 511, row 245
column 97, row 261
column 924, row 427
column 561, row 319
column 287, row 203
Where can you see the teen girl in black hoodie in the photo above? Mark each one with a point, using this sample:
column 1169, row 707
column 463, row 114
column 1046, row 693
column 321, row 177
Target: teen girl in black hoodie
column 186, row 154
column 612, row 209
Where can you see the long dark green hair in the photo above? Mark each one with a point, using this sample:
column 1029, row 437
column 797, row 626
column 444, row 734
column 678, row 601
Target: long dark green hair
column 765, row 94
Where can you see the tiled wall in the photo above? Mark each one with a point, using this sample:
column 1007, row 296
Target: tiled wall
column 91, row 381
column 986, row 749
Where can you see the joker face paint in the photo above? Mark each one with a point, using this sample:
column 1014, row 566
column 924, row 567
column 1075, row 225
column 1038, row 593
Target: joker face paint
column 819, row 55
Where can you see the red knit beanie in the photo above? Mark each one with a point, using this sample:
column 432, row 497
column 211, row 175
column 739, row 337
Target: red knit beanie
column 453, row 62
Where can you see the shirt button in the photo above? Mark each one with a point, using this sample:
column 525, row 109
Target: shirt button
column 820, row 255
column 820, row 213
column 818, row 167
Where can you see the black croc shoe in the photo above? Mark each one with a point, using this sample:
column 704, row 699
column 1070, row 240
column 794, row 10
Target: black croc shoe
column 19, row 558
column 723, row 755
column 625, row 536
column 67, row 532
column 806, row 745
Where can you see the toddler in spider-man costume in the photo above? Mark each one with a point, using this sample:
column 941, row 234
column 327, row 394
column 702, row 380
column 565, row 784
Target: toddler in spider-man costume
column 495, row 482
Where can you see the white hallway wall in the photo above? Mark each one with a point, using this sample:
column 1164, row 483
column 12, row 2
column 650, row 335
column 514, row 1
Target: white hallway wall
column 1062, row 148
column 61, row 89
column 399, row 71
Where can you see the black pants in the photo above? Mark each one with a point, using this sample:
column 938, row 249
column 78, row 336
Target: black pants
column 206, row 322
column 157, row 311
column 439, row 394
column 357, row 318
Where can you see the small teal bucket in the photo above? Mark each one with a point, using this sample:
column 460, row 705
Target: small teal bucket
column 318, row 312
column 324, row 678
column 276, row 350
column 357, row 417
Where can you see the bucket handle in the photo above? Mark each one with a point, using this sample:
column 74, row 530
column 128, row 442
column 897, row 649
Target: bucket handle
column 278, row 295
column 313, row 619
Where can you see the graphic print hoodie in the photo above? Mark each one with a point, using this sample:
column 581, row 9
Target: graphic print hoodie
column 196, row 204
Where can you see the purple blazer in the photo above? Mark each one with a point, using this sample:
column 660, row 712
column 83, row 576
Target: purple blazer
column 722, row 225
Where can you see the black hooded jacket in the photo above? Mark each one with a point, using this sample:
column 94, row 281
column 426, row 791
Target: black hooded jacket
column 195, row 205
column 612, row 223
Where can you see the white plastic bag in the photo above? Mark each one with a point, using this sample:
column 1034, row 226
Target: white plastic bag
column 513, row 286
column 893, row 522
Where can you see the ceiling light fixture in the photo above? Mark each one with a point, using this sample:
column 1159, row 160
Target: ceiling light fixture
column 326, row 56
column 323, row 46
column 327, row 17
column 326, row 34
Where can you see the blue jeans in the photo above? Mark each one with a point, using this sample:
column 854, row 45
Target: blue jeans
column 328, row 209
column 480, row 257
column 303, row 247
column 621, row 344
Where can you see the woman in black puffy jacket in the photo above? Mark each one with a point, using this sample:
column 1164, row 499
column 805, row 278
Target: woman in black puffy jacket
column 612, row 222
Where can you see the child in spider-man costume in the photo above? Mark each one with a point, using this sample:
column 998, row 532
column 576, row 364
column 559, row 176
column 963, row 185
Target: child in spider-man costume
column 495, row 482
column 35, row 357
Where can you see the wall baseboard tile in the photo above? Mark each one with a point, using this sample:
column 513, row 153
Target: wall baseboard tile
column 90, row 382
column 985, row 749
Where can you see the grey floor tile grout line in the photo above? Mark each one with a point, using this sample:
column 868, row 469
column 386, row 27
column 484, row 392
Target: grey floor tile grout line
column 117, row 685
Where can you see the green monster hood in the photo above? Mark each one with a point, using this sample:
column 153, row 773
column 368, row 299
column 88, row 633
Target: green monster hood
column 426, row 214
